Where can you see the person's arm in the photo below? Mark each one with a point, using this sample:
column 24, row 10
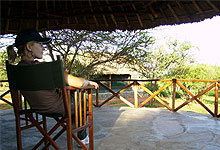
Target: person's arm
column 79, row 82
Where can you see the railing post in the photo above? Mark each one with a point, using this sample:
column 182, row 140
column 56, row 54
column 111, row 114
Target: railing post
column 91, row 141
column 216, row 99
column 97, row 97
column 174, row 94
column 135, row 94
column 110, row 82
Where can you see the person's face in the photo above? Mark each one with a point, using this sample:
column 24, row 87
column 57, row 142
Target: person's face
column 36, row 49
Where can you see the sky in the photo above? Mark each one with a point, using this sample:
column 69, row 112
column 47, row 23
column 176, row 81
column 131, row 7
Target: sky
column 205, row 35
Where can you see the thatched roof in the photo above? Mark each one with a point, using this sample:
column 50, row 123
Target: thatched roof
column 103, row 15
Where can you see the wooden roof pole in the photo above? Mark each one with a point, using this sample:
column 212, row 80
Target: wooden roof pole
column 173, row 13
column 37, row 15
column 94, row 17
column 103, row 16
column 126, row 17
column 54, row 8
column 138, row 16
column 112, row 16
column 213, row 6
column 199, row 10
column 183, row 10
column 75, row 17
column 48, row 21
column 21, row 20
column 7, row 22
column 68, row 18
column 153, row 11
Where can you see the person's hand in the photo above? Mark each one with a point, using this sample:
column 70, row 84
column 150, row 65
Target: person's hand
column 92, row 85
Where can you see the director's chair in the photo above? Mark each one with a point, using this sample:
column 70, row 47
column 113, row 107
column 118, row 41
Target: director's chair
column 49, row 75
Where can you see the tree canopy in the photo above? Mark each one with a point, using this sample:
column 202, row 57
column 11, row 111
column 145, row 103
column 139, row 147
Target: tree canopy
column 83, row 52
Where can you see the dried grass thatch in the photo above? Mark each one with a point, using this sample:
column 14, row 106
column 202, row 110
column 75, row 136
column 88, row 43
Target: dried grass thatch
column 105, row 15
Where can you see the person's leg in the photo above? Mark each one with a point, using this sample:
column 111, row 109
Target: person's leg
column 83, row 133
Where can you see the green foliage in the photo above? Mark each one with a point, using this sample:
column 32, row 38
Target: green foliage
column 200, row 71
column 158, row 61
column 3, row 58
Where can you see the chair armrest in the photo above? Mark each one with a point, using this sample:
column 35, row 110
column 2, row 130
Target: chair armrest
column 74, row 88
column 71, row 88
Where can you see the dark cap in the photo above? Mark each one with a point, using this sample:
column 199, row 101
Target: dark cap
column 30, row 35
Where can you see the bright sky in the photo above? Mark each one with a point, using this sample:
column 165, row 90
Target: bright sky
column 205, row 35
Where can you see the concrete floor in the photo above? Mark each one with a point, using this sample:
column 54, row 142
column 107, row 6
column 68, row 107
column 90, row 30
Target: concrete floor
column 123, row 128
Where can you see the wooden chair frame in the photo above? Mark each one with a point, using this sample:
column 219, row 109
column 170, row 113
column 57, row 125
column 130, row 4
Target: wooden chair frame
column 32, row 118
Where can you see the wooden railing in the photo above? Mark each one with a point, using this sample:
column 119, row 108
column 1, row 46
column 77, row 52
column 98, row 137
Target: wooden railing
column 4, row 94
column 153, row 95
column 214, row 84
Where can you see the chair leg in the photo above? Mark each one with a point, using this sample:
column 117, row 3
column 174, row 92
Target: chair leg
column 46, row 135
column 69, row 132
column 18, row 132
column 60, row 122
column 91, row 146
column 55, row 137
column 45, row 127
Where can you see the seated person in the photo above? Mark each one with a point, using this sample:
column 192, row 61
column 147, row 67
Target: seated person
column 30, row 46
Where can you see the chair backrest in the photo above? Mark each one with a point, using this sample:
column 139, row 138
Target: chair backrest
column 44, row 76
column 49, row 75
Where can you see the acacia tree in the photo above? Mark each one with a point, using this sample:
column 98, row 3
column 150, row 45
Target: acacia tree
column 83, row 51
column 159, row 61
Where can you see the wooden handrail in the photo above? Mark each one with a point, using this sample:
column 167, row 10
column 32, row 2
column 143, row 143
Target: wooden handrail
column 136, row 83
column 171, row 82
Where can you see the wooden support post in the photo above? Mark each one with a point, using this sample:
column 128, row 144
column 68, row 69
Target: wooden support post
column 129, row 82
column 174, row 94
column 110, row 82
column 216, row 100
column 97, row 98
column 135, row 94
column 91, row 144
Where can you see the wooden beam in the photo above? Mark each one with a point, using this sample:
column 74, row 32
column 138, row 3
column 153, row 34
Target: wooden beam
column 216, row 99
column 47, row 10
column 126, row 17
column 116, row 95
column 163, row 15
column 197, row 80
column 112, row 16
column 138, row 16
column 94, row 17
column 103, row 16
column 213, row 6
column 148, row 3
column 154, row 95
column 8, row 16
column 37, row 15
column 181, row 6
column 151, row 17
column 67, row 14
column 195, row 97
column 153, row 11
column 198, row 8
column 174, row 94
column 54, row 8
column 173, row 13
